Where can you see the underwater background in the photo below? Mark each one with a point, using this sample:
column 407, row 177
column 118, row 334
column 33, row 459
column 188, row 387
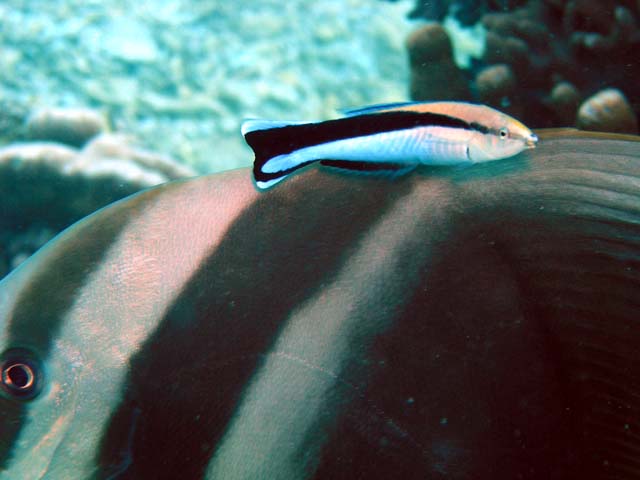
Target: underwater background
column 99, row 99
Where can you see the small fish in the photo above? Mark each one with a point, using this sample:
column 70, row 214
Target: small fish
column 389, row 139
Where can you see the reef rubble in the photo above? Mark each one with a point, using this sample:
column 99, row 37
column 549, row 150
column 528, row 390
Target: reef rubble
column 181, row 75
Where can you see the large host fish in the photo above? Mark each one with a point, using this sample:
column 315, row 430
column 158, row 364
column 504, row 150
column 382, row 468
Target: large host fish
column 463, row 324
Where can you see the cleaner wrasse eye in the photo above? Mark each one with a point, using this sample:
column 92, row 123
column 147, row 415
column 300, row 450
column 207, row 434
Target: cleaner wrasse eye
column 391, row 138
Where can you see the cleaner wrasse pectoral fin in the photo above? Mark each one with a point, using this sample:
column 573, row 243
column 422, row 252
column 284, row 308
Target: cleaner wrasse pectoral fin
column 452, row 326
column 400, row 135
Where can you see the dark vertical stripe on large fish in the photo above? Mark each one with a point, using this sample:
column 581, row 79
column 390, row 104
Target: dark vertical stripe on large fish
column 37, row 317
column 548, row 358
column 74, row 261
column 208, row 346
column 481, row 323
column 401, row 409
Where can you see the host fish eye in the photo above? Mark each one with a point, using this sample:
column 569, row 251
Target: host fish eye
column 21, row 374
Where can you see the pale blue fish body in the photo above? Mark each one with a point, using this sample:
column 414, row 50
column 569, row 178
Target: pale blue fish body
column 387, row 138
column 426, row 145
column 453, row 326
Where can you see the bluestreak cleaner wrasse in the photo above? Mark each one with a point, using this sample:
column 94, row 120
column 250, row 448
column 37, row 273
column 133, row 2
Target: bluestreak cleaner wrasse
column 391, row 139
column 476, row 324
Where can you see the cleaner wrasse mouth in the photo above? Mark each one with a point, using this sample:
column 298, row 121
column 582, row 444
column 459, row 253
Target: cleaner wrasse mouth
column 480, row 323
column 531, row 140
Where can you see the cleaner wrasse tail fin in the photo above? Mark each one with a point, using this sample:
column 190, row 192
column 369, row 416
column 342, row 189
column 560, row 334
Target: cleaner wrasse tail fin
column 269, row 140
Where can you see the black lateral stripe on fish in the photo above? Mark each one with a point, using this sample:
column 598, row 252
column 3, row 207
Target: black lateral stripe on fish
column 438, row 133
column 387, row 170
column 282, row 139
column 361, row 166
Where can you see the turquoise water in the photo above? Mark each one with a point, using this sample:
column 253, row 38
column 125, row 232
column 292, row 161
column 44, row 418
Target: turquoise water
column 180, row 75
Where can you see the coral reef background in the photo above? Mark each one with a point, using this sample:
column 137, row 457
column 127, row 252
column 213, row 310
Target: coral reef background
column 550, row 63
column 92, row 90
column 182, row 74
